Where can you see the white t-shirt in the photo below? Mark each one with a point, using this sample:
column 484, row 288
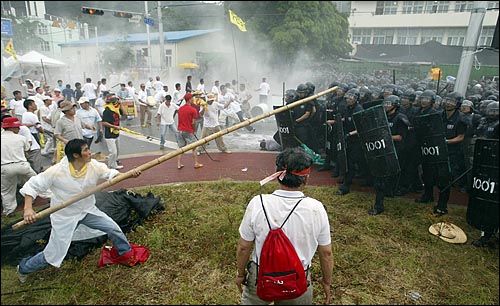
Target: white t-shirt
column 159, row 95
column 142, row 96
column 177, row 97
column 158, row 85
column 201, row 87
column 89, row 90
column 211, row 115
column 102, row 88
column 167, row 113
column 45, row 112
column 264, row 89
column 306, row 228
column 17, row 106
column 31, row 118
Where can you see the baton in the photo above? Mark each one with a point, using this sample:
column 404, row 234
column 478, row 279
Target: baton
column 455, row 180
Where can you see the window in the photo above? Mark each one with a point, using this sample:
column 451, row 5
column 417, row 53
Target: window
column 464, row 6
column 413, row 7
column 431, row 34
column 44, row 46
column 493, row 4
column 486, row 37
column 42, row 29
column 168, row 58
column 437, row 6
column 407, row 36
column 456, row 37
column 386, row 8
column 361, row 36
column 381, row 37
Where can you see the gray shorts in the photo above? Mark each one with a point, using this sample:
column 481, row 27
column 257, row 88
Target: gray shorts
column 185, row 138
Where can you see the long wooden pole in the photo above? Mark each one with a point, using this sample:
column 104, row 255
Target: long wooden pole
column 44, row 213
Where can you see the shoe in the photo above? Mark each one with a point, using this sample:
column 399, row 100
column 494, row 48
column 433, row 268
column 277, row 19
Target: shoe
column 144, row 125
column 118, row 162
column 198, row 153
column 197, row 166
column 342, row 191
column 424, row 200
column 438, row 212
column 180, row 166
column 118, row 167
column 22, row 277
column 162, row 147
column 483, row 242
column 227, row 152
column 252, row 131
column 325, row 168
column 375, row 211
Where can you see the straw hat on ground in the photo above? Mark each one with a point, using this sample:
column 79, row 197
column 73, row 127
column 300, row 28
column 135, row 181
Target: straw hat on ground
column 448, row 232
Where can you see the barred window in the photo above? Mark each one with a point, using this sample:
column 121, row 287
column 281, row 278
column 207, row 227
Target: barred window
column 413, row 7
column 486, row 36
column 407, row 36
column 464, row 6
column 386, row 8
column 381, row 37
column 437, row 6
column 361, row 36
column 42, row 29
column 456, row 37
column 44, row 46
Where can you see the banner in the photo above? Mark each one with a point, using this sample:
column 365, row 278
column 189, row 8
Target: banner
column 237, row 21
column 10, row 49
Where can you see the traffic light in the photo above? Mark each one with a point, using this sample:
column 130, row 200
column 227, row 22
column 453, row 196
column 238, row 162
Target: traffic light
column 122, row 14
column 92, row 11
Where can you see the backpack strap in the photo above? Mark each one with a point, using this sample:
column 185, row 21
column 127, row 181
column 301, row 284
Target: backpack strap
column 286, row 219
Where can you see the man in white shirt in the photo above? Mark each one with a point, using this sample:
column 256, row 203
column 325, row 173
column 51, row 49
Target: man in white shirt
column 149, row 87
column 91, row 117
column 201, row 87
column 215, row 90
column 16, row 105
column 158, row 85
column 102, row 88
column 177, row 96
column 211, row 121
column 15, row 166
column 144, row 107
column 160, row 94
column 45, row 113
column 30, row 119
column 264, row 90
column 166, row 112
column 89, row 90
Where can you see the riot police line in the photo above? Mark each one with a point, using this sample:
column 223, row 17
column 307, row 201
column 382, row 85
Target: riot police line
column 357, row 133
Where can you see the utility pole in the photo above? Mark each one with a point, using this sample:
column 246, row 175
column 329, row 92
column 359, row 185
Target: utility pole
column 470, row 45
column 147, row 32
column 97, row 55
column 162, row 46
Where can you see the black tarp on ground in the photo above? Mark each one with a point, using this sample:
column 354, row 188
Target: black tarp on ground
column 127, row 208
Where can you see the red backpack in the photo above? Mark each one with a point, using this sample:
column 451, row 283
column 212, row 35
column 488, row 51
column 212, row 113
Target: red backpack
column 280, row 275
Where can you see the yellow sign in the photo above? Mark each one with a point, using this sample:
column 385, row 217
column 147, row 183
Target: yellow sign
column 10, row 49
column 237, row 21
column 435, row 74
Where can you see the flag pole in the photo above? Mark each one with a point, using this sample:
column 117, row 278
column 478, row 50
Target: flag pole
column 235, row 60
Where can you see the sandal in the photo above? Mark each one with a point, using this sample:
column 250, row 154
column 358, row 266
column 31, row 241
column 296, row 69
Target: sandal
column 198, row 166
column 180, row 167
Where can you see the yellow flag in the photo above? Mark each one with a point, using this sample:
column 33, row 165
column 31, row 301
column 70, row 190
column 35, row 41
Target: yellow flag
column 237, row 21
column 10, row 49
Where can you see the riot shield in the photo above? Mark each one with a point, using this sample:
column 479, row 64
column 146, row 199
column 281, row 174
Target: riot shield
column 378, row 147
column 340, row 144
column 482, row 210
column 431, row 138
column 285, row 130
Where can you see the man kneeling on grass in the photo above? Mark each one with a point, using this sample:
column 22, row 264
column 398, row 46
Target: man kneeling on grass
column 75, row 173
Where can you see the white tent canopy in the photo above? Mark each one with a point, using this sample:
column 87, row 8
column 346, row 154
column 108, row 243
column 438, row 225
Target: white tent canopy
column 28, row 63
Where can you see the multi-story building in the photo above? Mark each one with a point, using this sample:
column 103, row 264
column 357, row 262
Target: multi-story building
column 416, row 22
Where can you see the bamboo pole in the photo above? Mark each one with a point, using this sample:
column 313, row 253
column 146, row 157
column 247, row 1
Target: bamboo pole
column 121, row 177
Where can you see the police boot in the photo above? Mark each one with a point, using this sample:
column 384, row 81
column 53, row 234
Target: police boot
column 484, row 241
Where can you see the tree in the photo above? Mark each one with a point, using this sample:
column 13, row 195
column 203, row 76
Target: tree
column 25, row 32
column 294, row 28
column 117, row 56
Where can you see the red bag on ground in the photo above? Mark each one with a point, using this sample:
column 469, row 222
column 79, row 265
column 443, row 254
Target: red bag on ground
column 109, row 256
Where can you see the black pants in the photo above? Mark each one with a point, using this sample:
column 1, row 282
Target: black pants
column 437, row 175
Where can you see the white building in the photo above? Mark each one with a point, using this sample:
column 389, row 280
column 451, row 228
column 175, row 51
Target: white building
column 417, row 22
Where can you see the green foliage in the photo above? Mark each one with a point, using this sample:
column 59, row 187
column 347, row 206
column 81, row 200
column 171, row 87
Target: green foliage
column 294, row 28
column 378, row 259
column 117, row 56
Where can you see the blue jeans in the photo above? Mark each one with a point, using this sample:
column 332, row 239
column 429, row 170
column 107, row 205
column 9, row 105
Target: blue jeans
column 163, row 132
column 115, row 234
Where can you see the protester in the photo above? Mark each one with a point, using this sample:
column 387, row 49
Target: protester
column 75, row 173
column 187, row 116
column 308, row 228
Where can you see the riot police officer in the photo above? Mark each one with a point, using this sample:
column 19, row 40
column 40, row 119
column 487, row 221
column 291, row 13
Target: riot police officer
column 354, row 151
column 300, row 117
column 488, row 125
column 330, row 110
column 456, row 126
column 398, row 124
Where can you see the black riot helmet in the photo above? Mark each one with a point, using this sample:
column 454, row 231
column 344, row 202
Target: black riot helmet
column 333, row 84
column 453, row 99
column 353, row 94
column 428, row 94
column 302, row 91
column 343, row 87
column 390, row 102
column 365, row 94
column 352, row 85
column 311, row 87
column 388, row 90
column 492, row 111
column 290, row 95
column 483, row 105
column 409, row 94
column 492, row 97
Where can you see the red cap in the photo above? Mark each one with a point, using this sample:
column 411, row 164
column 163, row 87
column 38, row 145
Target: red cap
column 187, row 96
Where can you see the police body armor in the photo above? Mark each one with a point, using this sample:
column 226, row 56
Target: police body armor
column 483, row 207
column 378, row 146
column 340, row 144
column 285, row 130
